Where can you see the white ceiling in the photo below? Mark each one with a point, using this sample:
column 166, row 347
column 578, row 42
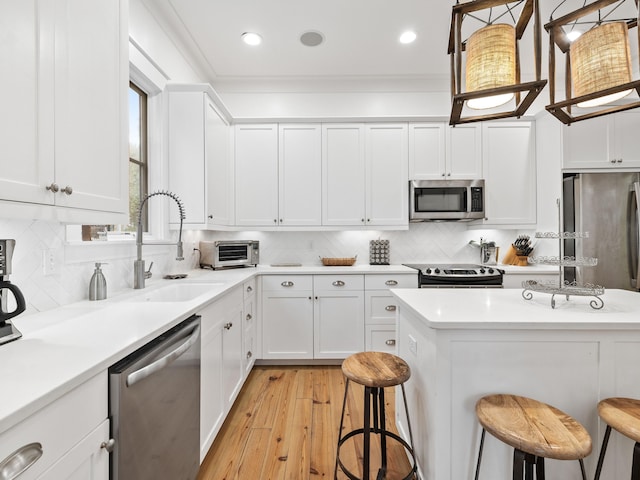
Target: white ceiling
column 361, row 37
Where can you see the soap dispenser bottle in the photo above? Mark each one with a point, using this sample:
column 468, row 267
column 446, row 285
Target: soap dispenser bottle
column 98, row 284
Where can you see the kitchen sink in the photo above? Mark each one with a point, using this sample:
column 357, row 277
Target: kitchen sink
column 176, row 293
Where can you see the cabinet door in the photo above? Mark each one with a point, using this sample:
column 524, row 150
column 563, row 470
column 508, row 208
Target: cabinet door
column 343, row 171
column 387, row 177
column 464, row 152
column 510, row 173
column 250, row 323
column 339, row 323
column 256, row 154
column 232, row 355
column 219, row 163
column 427, row 151
column 211, row 394
column 186, row 144
column 91, row 82
column 300, row 173
column 26, row 162
column 586, row 144
column 626, row 128
column 87, row 460
column 287, row 325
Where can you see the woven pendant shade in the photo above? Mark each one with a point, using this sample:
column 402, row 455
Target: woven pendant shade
column 491, row 62
column 601, row 59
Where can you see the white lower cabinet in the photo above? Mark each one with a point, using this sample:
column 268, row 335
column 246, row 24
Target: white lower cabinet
column 380, row 309
column 69, row 431
column 221, row 366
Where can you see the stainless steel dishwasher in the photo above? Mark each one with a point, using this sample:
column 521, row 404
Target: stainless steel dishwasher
column 154, row 405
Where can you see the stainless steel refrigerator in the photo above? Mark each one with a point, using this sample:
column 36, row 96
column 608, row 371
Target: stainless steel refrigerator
column 606, row 206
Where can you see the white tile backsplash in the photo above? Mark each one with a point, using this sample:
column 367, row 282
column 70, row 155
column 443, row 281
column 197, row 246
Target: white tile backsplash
column 434, row 242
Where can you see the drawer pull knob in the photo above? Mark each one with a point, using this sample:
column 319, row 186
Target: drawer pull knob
column 338, row 283
column 249, row 354
column 249, row 289
column 108, row 445
column 391, row 342
column 20, row 460
column 53, row 188
column 287, row 284
column 390, row 308
column 228, row 326
column 391, row 283
column 249, row 317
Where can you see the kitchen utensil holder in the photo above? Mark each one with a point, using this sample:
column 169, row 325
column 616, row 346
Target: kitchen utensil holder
column 379, row 252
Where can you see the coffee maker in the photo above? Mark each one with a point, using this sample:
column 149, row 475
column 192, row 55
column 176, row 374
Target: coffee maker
column 8, row 331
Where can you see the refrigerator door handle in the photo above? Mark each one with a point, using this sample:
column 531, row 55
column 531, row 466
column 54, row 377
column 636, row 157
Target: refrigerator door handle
column 634, row 234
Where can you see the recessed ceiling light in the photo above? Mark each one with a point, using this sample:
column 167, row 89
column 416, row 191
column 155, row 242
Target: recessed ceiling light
column 408, row 37
column 251, row 38
column 311, row 38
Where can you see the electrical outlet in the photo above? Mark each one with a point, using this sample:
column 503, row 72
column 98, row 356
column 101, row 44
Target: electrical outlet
column 413, row 345
column 49, row 264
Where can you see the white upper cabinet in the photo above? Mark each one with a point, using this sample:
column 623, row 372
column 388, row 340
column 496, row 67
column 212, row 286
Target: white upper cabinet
column 300, row 173
column 387, row 183
column 510, row 173
column 256, row 162
column 343, row 174
column 200, row 168
column 609, row 142
column 67, row 102
column 440, row 152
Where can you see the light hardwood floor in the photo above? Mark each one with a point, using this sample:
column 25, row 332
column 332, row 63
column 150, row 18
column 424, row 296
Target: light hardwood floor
column 284, row 425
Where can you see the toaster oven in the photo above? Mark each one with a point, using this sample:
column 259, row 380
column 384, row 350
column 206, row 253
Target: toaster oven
column 229, row 253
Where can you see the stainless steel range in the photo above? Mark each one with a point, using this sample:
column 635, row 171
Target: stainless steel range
column 451, row 275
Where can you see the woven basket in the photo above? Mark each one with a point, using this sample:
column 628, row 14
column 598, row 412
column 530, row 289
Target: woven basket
column 338, row 262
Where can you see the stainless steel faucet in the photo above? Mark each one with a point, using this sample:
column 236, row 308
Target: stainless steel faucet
column 139, row 273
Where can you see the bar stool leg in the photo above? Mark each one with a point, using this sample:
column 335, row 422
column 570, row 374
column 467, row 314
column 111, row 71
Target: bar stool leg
column 529, row 462
column 383, row 435
column 540, row 468
column 406, row 412
column 480, row 454
column 603, row 449
column 518, row 464
column 635, row 466
column 344, row 404
column 366, row 432
column 582, row 470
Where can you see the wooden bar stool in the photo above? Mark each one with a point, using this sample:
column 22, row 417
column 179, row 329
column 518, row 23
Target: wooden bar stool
column 535, row 430
column 623, row 414
column 375, row 371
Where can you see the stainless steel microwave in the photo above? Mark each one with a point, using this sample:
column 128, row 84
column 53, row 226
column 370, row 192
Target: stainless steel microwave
column 446, row 200
column 229, row 253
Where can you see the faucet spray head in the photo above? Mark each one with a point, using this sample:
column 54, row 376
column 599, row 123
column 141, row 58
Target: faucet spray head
column 179, row 254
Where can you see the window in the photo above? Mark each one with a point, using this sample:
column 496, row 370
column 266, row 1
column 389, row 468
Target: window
column 138, row 169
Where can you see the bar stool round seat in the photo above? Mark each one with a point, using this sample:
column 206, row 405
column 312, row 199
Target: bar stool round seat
column 375, row 371
column 623, row 415
column 534, row 429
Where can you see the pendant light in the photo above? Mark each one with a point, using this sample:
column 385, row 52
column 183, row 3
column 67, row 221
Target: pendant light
column 598, row 68
column 490, row 59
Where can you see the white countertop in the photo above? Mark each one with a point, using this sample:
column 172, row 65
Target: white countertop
column 62, row 348
column 486, row 308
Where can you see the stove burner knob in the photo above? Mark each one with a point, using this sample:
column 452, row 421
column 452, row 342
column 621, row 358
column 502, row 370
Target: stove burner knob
column 437, row 270
column 491, row 270
column 428, row 271
column 482, row 270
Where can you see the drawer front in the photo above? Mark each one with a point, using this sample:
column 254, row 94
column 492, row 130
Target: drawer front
column 381, row 338
column 287, row 282
column 249, row 288
column 380, row 308
column 384, row 281
column 59, row 426
column 338, row 282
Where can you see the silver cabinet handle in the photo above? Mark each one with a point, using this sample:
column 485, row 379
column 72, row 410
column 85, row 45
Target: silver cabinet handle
column 227, row 326
column 391, row 283
column 391, row 342
column 20, row 460
column 53, row 188
column 159, row 364
column 68, row 190
column 249, row 289
column 287, row 284
column 249, row 354
column 390, row 308
column 249, row 317
column 338, row 283
column 108, row 445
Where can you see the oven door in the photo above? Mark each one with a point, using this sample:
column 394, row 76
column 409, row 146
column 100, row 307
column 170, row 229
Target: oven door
column 446, row 200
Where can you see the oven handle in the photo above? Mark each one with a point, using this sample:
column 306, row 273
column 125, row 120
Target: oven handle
column 159, row 364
